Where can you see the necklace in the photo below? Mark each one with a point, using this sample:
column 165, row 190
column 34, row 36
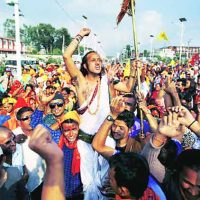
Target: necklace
column 97, row 88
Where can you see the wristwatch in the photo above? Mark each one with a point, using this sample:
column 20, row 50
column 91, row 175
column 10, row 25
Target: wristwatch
column 110, row 118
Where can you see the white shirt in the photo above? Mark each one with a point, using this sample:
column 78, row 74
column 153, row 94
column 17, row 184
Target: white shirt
column 34, row 163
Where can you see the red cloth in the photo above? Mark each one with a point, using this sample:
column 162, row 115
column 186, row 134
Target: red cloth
column 16, row 84
column 154, row 94
column 148, row 194
column 76, row 156
column 20, row 103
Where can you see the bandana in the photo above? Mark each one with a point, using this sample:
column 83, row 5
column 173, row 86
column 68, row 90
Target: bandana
column 76, row 156
column 71, row 115
column 9, row 100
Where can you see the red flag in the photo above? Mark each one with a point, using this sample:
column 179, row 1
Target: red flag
column 124, row 9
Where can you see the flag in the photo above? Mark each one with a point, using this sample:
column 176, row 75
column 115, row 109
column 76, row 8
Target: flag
column 162, row 36
column 127, row 68
column 124, row 9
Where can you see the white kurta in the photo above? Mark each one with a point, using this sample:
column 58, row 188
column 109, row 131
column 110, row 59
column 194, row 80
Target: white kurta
column 90, row 125
column 34, row 163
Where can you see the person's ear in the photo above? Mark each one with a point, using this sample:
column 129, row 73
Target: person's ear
column 85, row 66
column 124, row 192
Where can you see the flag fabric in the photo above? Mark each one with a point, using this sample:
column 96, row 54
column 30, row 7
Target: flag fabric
column 127, row 68
column 162, row 36
column 125, row 6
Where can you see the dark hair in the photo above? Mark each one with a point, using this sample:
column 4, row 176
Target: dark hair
column 66, row 89
column 29, row 85
column 131, row 171
column 188, row 158
column 50, row 87
column 131, row 95
column 85, row 62
column 168, row 154
column 22, row 110
column 69, row 121
column 127, row 117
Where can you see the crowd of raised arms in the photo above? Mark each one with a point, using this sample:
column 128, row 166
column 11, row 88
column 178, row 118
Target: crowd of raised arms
column 100, row 131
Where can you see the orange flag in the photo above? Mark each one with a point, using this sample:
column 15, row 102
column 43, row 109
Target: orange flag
column 125, row 6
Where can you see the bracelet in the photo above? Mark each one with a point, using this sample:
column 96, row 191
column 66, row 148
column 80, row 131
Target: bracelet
column 191, row 124
column 78, row 38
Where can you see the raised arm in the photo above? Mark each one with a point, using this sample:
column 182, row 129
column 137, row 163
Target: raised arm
column 41, row 143
column 142, row 105
column 131, row 81
column 171, row 92
column 187, row 119
column 67, row 56
column 117, row 106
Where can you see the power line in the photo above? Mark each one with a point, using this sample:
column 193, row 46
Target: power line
column 63, row 9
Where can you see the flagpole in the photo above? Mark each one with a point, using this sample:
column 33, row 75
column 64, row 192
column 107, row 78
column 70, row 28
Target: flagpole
column 141, row 135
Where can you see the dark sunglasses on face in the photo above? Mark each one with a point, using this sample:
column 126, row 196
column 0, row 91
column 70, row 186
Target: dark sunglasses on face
column 128, row 104
column 25, row 118
column 10, row 141
column 53, row 105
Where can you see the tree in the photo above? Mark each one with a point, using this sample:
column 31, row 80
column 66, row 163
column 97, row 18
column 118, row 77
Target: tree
column 45, row 36
column 9, row 28
column 60, row 35
column 128, row 49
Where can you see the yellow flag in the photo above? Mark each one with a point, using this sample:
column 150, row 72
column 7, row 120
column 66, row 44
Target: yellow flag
column 172, row 63
column 162, row 36
column 127, row 68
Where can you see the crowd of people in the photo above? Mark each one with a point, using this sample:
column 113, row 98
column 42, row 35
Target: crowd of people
column 98, row 132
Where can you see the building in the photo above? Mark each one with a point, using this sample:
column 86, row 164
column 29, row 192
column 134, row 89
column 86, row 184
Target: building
column 7, row 46
column 172, row 51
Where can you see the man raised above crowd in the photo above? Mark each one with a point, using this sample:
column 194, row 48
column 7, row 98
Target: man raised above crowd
column 92, row 88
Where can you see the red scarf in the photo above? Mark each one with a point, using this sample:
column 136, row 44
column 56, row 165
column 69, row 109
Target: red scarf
column 76, row 156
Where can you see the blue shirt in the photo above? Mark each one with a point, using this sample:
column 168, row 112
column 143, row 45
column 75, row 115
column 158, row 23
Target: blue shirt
column 73, row 184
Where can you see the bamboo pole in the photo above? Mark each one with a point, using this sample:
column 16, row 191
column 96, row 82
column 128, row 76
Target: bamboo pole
column 141, row 135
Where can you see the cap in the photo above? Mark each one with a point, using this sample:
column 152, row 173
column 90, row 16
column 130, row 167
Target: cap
column 58, row 95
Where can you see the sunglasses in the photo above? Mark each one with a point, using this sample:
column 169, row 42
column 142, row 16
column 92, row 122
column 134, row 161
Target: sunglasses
column 53, row 105
column 10, row 141
column 128, row 104
column 25, row 118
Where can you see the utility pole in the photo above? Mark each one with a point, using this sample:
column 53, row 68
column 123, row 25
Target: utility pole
column 182, row 20
column 151, row 43
column 15, row 3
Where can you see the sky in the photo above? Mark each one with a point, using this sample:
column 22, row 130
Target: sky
column 152, row 18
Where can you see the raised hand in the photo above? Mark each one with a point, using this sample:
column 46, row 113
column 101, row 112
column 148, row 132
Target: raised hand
column 44, row 99
column 42, row 143
column 84, row 32
column 169, row 125
column 134, row 66
column 170, row 86
column 111, row 72
column 117, row 106
column 184, row 115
